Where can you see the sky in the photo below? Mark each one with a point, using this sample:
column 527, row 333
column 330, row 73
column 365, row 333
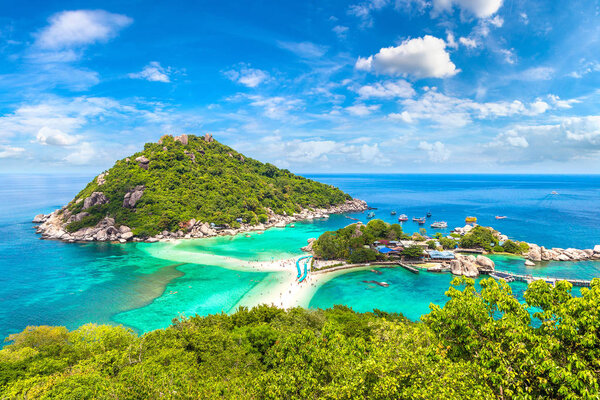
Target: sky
column 371, row 86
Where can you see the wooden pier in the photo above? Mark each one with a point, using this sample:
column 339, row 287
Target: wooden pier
column 511, row 277
column 408, row 267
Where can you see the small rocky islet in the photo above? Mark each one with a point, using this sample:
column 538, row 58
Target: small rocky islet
column 190, row 187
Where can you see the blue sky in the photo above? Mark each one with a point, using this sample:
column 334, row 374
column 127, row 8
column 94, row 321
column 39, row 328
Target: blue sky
column 314, row 86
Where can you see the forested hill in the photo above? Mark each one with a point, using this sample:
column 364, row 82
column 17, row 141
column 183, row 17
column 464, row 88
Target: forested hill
column 192, row 177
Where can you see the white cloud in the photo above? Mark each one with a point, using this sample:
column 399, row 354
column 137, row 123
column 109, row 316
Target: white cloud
column 571, row 138
column 55, row 137
column 340, row 31
column 10, row 152
column 582, row 129
column 437, row 152
column 450, row 41
column 326, row 152
column 365, row 9
column 153, row 72
column 80, row 27
column 468, row 42
column 403, row 116
column 276, row 107
column 456, row 112
column 509, row 56
column 362, row 110
column 478, row 8
column 538, row 107
column 84, row 154
column 421, row 57
column 535, row 74
column 586, row 68
column 558, row 103
column 249, row 77
column 386, row 90
column 306, row 50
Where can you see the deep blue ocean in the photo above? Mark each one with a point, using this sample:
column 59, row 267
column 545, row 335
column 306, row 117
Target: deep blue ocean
column 54, row 283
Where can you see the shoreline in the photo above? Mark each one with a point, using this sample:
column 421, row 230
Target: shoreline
column 53, row 226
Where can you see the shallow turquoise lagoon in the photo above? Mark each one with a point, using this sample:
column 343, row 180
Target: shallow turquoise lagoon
column 144, row 287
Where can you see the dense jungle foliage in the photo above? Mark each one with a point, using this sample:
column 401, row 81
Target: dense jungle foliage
column 207, row 181
column 480, row 345
column 348, row 243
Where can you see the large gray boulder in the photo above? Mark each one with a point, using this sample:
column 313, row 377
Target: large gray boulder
column 534, row 253
column 94, row 199
column 484, row 263
column 39, row 218
column 126, row 235
column 142, row 162
column 133, row 196
column 79, row 217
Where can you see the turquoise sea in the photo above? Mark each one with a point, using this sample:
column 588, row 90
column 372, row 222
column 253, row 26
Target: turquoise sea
column 54, row 283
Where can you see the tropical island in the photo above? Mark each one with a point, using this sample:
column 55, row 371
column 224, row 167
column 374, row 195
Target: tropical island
column 189, row 187
column 384, row 243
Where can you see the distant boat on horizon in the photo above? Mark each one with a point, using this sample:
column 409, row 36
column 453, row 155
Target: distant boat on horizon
column 500, row 216
column 554, row 192
column 393, row 213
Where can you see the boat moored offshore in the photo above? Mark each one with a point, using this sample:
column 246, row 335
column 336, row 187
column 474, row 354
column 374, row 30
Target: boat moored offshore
column 402, row 218
column 439, row 225
column 371, row 214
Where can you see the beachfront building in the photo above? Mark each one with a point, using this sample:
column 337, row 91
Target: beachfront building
column 440, row 255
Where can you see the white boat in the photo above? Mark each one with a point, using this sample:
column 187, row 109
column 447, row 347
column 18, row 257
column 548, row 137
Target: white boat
column 402, row 218
column 439, row 225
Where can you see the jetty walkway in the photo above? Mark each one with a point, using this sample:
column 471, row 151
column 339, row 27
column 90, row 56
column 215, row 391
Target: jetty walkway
column 302, row 276
column 511, row 277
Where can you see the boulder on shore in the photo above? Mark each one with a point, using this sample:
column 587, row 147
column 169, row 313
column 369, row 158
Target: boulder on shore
column 484, row 263
column 39, row 218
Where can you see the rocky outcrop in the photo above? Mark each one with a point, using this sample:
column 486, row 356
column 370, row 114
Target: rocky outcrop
column 183, row 139
column 484, row 264
column 94, row 199
column 470, row 266
column 464, row 230
column 309, row 246
column 100, row 179
column 191, row 155
column 39, row 218
column 143, row 162
column 78, row 217
column 540, row 253
column 133, row 196
column 208, row 138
